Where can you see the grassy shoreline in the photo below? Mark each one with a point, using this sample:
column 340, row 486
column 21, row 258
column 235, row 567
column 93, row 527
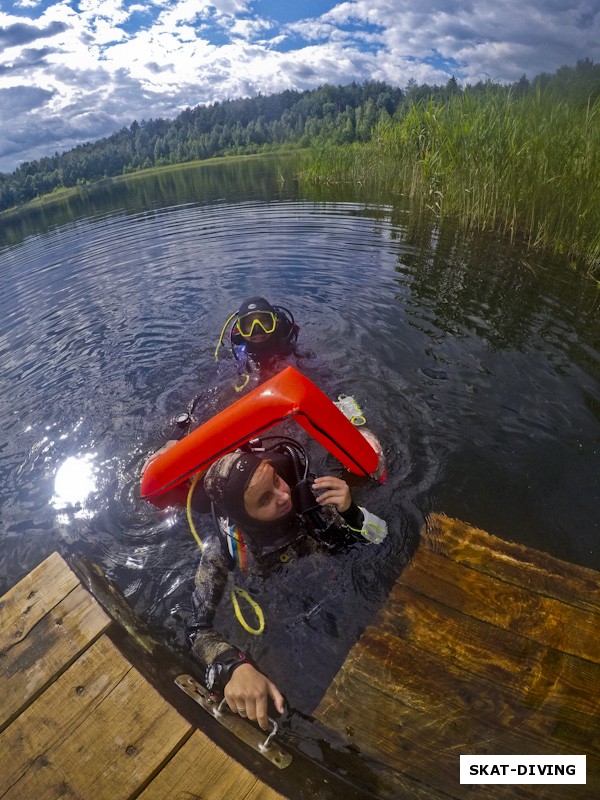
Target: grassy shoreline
column 526, row 167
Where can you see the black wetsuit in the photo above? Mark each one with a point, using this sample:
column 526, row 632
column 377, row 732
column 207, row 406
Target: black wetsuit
column 263, row 551
column 279, row 343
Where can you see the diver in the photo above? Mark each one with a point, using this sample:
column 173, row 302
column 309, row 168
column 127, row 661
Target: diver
column 260, row 332
column 267, row 509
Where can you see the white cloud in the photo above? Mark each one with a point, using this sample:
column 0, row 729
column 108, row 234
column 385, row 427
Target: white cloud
column 110, row 62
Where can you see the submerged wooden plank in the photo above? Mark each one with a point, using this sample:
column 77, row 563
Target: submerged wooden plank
column 461, row 703
column 508, row 661
column 457, row 708
column 111, row 754
column 511, row 562
column 46, row 648
column 475, row 652
column 505, row 605
column 60, row 710
column 221, row 777
column 426, row 747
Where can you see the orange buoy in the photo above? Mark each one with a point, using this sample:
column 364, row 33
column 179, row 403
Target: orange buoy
column 287, row 394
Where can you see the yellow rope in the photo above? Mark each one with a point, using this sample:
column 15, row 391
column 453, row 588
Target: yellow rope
column 253, row 605
column 235, row 591
column 188, row 509
column 243, row 384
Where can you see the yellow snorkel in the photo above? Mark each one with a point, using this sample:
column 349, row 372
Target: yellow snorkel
column 220, row 342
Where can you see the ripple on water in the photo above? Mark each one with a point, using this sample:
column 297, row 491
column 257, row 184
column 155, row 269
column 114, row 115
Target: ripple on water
column 108, row 327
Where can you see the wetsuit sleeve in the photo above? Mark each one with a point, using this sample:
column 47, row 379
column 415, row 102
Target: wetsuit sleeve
column 353, row 517
column 363, row 522
column 210, row 583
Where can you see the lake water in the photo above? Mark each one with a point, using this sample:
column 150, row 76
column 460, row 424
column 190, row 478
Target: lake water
column 477, row 365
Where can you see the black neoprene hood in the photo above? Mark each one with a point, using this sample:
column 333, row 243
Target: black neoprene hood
column 254, row 304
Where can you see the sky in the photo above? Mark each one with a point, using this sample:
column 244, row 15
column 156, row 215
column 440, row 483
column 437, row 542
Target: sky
column 73, row 71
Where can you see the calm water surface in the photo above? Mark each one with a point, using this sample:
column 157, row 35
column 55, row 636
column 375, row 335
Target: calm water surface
column 477, row 365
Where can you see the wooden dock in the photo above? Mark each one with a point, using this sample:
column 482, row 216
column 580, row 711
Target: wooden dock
column 77, row 720
column 483, row 647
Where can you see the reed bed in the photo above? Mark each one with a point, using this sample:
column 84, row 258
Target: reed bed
column 526, row 166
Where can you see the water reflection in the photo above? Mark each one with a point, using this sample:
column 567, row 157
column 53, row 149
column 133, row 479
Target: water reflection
column 157, row 193
column 75, row 481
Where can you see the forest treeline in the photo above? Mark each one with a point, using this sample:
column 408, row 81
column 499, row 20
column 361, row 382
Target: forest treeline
column 232, row 127
column 329, row 115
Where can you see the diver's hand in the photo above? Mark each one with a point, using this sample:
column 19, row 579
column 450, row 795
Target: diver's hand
column 335, row 492
column 247, row 693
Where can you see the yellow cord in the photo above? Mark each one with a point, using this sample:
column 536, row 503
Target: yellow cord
column 253, row 605
column 235, row 591
column 243, row 384
column 188, row 509
column 220, row 342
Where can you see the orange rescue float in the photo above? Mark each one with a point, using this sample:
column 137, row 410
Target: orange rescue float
column 287, row 394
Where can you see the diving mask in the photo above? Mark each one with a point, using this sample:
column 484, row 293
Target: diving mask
column 264, row 321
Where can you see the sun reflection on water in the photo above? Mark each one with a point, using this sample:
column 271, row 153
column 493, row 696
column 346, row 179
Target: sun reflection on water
column 74, row 482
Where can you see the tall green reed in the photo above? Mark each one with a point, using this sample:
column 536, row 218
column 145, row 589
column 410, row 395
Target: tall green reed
column 527, row 166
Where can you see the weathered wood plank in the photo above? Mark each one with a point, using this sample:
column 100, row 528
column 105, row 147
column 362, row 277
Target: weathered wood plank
column 60, row 709
column 505, row 605
column 512, row 563
column 220, row 777
column 47, row 649
column 481, row 647
column 420, row 747
column 23, row 606
column 123, row 742
column 483, row 651
column 461, row 708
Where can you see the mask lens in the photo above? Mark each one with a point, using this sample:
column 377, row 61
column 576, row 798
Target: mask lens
column 256, row 322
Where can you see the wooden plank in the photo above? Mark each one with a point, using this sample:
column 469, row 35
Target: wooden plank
column 480, row 650
column 221, row 776
column 32, row 598
column 42, row 651
column 419, row 746
column 512, row 563
column 460, row 708
column 505, row 605
column 60, row 709
column 481, row 647
column 115, row 750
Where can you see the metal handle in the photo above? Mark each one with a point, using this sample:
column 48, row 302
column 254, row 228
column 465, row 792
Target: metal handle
column 267, row 742
column 219, row 709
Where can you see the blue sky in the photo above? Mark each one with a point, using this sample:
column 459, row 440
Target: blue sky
column 76, row 70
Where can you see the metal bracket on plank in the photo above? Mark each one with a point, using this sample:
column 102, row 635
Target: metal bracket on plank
column 252, row 736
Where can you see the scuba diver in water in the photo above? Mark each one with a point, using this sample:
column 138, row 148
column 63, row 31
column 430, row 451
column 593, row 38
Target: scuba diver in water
column 266, row 512
column 260, row 333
